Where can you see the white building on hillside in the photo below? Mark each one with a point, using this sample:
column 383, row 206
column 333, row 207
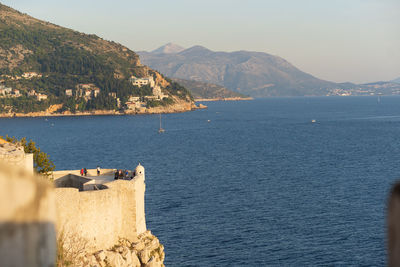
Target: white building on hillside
column 16, row 93
column 5, row 90
column 41, row 97
column 32, row 93
column 68, row 92
column 142, row 81
column 30, row 75
column 87, row 90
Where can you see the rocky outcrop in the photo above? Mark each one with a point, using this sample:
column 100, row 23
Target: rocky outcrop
column 146, row 251
column 178, row 106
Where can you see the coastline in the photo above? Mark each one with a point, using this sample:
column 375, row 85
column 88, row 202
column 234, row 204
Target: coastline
column 223, row 99
column 177, row 108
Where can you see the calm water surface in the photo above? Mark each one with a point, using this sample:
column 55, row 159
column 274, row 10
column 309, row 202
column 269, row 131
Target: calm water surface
column 257, row 185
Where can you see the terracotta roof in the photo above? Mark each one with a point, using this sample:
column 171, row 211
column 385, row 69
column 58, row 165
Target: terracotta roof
column 2, row 141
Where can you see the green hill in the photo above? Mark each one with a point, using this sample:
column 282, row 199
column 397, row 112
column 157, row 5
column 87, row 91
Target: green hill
column 62, row 59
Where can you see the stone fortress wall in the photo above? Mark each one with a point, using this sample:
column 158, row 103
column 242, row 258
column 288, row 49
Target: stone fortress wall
column 27, row 212
column 15, row 156
column 98, row 221
column 100, row 217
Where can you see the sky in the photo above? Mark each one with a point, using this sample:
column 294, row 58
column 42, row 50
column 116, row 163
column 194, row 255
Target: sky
column 337, row 40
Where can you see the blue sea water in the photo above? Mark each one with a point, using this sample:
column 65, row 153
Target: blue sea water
column 258, row 184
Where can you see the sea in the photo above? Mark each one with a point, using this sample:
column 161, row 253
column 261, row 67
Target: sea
column 270, row 182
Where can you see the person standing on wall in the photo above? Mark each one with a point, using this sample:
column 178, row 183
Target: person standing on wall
column 85, row 171
column 82, row 172
column 98, row 170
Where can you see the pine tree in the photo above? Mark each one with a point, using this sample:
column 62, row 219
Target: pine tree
column 41, row 161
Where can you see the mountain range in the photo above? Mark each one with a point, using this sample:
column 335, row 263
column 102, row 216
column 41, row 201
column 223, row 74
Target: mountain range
column 396, row 80
column 169, row 48
column 251, row 73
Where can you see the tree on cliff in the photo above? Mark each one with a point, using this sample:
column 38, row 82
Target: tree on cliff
column 41, row 161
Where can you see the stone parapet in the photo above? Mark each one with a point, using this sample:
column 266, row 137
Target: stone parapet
column 101, row 217
column 15, row 156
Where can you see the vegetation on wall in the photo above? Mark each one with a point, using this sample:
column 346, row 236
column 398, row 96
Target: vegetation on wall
column 41, row 161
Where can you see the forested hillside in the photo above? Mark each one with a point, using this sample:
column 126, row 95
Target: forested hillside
column 49, row 59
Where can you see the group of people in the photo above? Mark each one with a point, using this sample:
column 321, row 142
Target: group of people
column 84, row 171
column 119, row 174
column 124, row 174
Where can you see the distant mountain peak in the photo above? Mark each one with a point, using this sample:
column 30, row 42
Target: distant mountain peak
column 197, row 48
column 396, row 80
column 252, row 73
column 169, row 48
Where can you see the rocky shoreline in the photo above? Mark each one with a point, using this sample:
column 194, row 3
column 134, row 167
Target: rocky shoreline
column 223, row 99
column 176, row 108
column 145, row 252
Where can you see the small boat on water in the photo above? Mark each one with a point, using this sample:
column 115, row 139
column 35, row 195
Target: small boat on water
column 161, row 130
column 314, row 121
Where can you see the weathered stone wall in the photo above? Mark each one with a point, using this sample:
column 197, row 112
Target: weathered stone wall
column 101, row 217
column 27, row 217
column 15, row 156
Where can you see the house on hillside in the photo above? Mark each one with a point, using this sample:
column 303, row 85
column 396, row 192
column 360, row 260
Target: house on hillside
column 134, row 99
column 134, row 102
column 158, row 93
column 87, row 90
column 68, row 92
column 96, row 92
column 32, row 93
column 41, row 97
column 16, row 93
column 156, row 89
column 30, row 75
column 5, row 91
column 38, row 96
column 139, row 82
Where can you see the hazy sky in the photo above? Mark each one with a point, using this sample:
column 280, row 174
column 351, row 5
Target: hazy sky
column 336, row 40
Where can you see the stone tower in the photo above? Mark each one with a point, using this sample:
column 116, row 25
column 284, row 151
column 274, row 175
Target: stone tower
column 139, row 171
column 140, row 189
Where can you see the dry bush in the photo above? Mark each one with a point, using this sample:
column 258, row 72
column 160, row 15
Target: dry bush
column 71, row 249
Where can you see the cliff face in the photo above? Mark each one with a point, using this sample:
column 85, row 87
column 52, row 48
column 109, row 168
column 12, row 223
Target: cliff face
column 146, row 251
